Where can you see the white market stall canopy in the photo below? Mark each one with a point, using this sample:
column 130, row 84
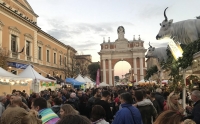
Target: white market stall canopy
column 29, row 72
column 7, row 75
column 103, row 84
column 80, row 79
column 145, row 81
column 88, row 79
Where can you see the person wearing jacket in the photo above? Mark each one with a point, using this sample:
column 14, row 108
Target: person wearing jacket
column 128, row 114
column 195, row 115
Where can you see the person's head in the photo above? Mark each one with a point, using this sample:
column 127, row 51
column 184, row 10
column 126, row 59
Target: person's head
column 31, row 118
column 126, row 98
column 73, row 95
column 57, row 101
column 2, row 99
column 97, row 113
column 169, row 117
column 18, row 93
column 106, row 95
column 67, row 109
column 17, row 101
column 188, row 121
column 97, row 92
column 139, row 95
column 80, row 93
column 74, row 119
column 12, row 97
column 172, row 101
column 158, row 90
column 195, row 95
column 39, row 104
column 152, row 96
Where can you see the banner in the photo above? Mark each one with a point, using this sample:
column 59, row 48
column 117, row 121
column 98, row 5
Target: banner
column 98, row 78
column 47, row 84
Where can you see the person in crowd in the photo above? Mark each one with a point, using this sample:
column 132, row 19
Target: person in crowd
column 14, row 113
column 18, row 93
column 169, row 117
column 61, row 96
column 7, row 100
column 56, row 107
column 74, row 119
column 159, row 98
column 155, row 103
column 92, row 100
column 46, row 114
column 66, row 93
column 145, row 107
column 31, row 118
column 73, row 100
column 12, row 97
column 67, row 109
column 82, row 102
column 2, row 102
column 173, row 104
column 104, row 103
column 195, row 110
column 188, row 121
column 128, row 114
column 98, row 115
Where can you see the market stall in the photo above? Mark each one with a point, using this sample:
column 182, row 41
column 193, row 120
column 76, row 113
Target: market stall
column 9, row 81
column 39, row 82
column 89, row 83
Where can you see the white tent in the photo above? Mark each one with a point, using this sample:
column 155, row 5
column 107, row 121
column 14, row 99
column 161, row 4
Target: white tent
column 89, row 83
column 80, row 79
column 143, row 82
column 103, row 84
column 29, row 72
column 9, row 76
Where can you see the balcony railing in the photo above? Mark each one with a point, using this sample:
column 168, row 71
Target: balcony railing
column 28, row 58
column 14, row 55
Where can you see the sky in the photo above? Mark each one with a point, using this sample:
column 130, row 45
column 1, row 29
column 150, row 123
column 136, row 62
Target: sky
column 82, row 24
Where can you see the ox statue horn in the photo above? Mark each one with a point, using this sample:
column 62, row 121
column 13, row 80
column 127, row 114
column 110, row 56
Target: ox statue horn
column 150, row 45
column 165, row 14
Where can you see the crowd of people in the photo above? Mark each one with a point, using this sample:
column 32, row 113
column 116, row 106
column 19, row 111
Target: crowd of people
column 108, row 105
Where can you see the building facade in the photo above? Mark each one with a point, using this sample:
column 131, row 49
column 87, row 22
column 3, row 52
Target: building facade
column 83, row 61
column 28, row 43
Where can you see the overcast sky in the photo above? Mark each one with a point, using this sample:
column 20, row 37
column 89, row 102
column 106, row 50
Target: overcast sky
column 82, row 24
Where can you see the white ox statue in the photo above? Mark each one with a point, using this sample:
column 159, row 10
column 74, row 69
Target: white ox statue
column 183, row 32
column 159, row 53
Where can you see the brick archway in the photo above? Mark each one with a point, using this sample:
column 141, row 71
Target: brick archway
column 121, row 49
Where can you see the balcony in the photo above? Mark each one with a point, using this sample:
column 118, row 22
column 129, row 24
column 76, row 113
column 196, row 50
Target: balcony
column 14, row 55
column 28, row 58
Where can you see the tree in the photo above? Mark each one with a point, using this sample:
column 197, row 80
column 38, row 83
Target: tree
column 93, row 70
column 4, row 56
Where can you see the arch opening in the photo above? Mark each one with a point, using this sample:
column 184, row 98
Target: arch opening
column 122, row 72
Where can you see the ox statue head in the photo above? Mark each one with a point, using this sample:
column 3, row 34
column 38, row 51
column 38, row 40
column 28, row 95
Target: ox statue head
column 150, row 51
column 166, row 28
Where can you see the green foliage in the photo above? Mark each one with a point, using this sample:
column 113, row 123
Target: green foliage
column 189, row 50
column 150, row 72
column 93, row 70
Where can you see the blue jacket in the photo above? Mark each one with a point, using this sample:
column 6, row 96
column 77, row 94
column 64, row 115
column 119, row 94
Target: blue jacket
column 124, row 116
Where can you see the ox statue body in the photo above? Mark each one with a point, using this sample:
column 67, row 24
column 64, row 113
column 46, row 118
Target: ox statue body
column 159, row 53
column 183, row 32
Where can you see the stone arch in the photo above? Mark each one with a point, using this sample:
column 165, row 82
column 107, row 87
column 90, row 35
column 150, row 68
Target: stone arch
column 134, row 55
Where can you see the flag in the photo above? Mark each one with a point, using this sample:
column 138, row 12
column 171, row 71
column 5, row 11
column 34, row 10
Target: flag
column 97, row 77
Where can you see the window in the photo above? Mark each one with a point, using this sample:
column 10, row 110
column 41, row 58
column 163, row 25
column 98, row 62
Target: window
column 60, row 60
column 39, row 53
column 13, row 43
column 48, row 60
column 54, row 58
column 28, row 48
column 65, row 61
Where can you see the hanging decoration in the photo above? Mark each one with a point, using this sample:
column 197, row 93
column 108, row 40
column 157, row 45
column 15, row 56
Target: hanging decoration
column 46, row 84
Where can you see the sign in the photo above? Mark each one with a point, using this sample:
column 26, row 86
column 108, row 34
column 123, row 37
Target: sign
column 17, row 65
column 175, row 49
column 47, row 84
